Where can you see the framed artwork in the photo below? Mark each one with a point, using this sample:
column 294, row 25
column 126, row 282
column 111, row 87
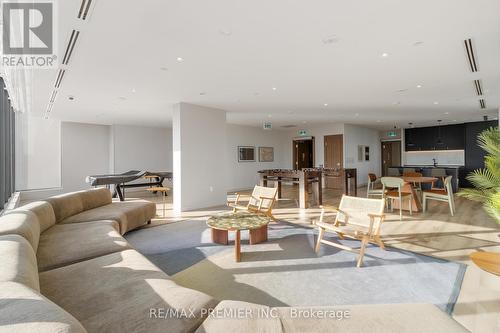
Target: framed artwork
column 246, row 154
column 361, row 152
column 367, row 153
column 266, row 154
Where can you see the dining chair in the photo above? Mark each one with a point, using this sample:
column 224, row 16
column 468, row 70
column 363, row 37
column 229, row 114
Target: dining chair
column 441, row 175
column 416, row 186
column 372, row 189
column 443, row 195
column 392, row 189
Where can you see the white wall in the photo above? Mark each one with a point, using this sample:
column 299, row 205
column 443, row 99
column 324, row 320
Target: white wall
column 319, row 132
column 38, row 153
column 89, row 149
column 85, row 151
column 355, row 136
column 199, row 143
column 141, row 148
column 244, row 175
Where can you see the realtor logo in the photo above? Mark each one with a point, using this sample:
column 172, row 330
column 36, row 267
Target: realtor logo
column 29, row 34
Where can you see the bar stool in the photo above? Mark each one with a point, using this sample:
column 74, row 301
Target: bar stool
column 163, row 191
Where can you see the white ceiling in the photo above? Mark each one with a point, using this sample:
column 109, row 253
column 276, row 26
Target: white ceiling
column 236, row 51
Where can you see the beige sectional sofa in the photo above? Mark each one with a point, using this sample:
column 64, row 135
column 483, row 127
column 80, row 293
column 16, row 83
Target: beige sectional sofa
column 65, row 267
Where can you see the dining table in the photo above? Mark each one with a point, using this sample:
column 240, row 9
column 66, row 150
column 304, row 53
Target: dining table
column 408, row 188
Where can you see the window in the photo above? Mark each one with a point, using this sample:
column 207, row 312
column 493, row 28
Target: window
column 7, row 151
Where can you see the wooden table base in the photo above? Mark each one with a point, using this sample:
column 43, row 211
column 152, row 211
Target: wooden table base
column 222, row 237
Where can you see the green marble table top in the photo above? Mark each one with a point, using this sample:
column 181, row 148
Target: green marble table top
column 238, row 221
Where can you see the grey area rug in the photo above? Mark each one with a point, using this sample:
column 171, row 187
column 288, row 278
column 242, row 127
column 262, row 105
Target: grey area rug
column 285, row 271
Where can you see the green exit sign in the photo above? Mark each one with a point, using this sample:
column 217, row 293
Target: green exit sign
column 302, row 133
column 392, row 134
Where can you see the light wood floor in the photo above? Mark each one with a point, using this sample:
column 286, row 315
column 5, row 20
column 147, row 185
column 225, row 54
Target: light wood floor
column 434, row 233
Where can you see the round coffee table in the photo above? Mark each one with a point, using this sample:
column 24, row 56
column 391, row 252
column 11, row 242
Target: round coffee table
column 221, row 224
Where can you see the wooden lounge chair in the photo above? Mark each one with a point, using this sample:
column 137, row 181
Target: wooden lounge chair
column 261, row 201
column 357, row 218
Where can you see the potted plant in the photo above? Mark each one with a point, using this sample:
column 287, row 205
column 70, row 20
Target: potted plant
column 486, row 189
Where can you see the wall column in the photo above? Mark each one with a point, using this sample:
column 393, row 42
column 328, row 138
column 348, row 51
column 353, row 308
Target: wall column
column 199, row 147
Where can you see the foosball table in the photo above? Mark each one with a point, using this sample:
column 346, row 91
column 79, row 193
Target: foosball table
column 306, row 179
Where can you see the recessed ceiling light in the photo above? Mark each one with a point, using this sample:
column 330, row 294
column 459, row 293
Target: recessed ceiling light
column 417, row 43
column 330, row 39
column 378, row 121
column 122, row 98
column 454, row 120
column 226, row 33
column 396, row 103
column 385, row 55
column 133, row 90
column 274, row 88
column 446, row 113
column 356, row 115
column 71, row 98
column 180, row 59
column 436, row 103
column 401, row 90
column 419, row 86
column 326, row 104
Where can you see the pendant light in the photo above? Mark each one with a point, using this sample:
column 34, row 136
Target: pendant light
column 439, row 142
column 410, row 143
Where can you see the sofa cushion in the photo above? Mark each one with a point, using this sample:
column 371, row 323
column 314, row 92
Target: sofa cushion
column 129, row 214
column 236, row 316
column 377, row 318
column 24, row 310
column 122, row 292
column 22, row 223
column 43, row 211
column 18, row 261
column 65, row 244
column 95, row 198
column 66, row 205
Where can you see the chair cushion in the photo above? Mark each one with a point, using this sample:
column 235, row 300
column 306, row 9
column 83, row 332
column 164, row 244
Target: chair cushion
column 437, row 192
column 370, row 318
column 23, row 223
column 66, row 205
column 121, row 292
column 18, row 261
column 395, row 194
column 65, row 244
column 242, row 317
column 24, row 310
column 130, row 214
column 43, row 211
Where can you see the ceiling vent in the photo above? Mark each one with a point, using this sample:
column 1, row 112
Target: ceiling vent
column 71, row 45
column 59, row 79
column 471, row 55
column 289, row 126
column 53, row 96
column 84, row 9
column 482, row 103
column 479, row 87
